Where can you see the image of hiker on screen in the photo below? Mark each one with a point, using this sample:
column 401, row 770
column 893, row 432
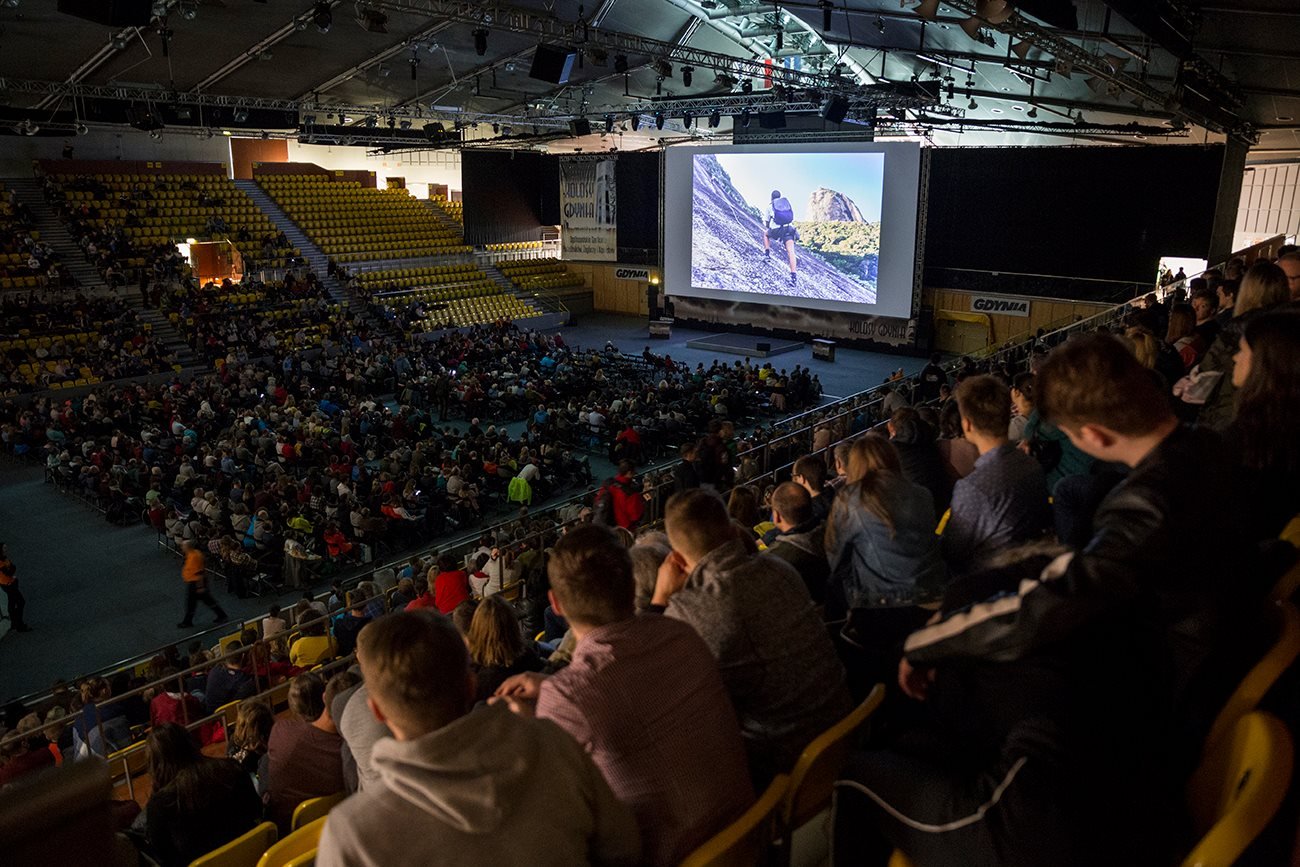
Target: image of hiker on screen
column 779, row 224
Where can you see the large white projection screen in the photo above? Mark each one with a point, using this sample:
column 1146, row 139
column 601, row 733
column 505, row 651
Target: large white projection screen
column 821, row 226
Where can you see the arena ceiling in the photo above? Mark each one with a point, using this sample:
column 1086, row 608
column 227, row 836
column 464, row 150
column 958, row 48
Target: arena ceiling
column 966, row 71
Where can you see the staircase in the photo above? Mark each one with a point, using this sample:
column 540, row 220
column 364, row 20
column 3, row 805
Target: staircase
column 53, row 233
column 443, row 217
column 488, row 267
column 315, row 257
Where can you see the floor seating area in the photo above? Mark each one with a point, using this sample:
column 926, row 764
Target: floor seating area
column 351, row 223
column 535, row 274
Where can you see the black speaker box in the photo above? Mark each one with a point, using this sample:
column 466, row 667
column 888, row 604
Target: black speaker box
column 771, row 119
column 552, row 63
column 114, row 13
column 579, row 126
column 834, row 109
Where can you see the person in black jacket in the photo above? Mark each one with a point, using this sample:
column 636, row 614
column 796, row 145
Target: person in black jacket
column 198, row 803
column 918, row 452
column 686, row 475
column 800, row 539
column 1078, row 696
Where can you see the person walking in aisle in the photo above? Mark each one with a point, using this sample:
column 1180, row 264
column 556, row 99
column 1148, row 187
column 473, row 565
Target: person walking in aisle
column 14, row 600
column 196, row 586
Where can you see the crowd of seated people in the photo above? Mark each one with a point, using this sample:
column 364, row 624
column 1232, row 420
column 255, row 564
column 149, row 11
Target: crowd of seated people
column 26, row 261
column 48, row 341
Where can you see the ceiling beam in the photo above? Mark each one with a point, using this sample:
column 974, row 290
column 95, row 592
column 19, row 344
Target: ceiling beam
column 395, row 48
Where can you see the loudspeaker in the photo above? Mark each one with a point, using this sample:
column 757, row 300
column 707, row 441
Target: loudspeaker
column 771, row 119
column 579, row 126
column 552, row 63
column 834, row 109
column 143, row 117
column 763, row 347
column 114, row 13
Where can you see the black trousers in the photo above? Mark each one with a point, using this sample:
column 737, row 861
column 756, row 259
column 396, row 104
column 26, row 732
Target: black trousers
column 194, row 592
column 15, row 603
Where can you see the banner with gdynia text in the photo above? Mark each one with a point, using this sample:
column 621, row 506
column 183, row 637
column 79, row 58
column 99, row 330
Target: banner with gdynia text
column 885, row 330
column 588, row 210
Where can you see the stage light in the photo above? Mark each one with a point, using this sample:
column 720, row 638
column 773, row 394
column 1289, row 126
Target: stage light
column 747, row 86
column 189, row 9
column 82, row 129
column 688, row 72
column 620, row 63
column 880, row 25
column 687, row 119
column 1033, row 112
column 404, row 124
column 972, row 103
column 480, row 41
column 156, row 134
column 371, row 121
column 662, row 68
column 414, row 63
column 372, row 20
column 780, row 38
column 715, row 118
column 609, row 124
column 119, row 43
column 11, row 4
column 659, row 120
column 636, row 122
column 744, row 117
column 322, row 17
column 827, row 8
column 240, row 115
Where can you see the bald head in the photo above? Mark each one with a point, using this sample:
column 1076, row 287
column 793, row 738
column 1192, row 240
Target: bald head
column 791, row 506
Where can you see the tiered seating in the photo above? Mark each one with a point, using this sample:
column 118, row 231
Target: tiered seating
column 168, row 208
column 455, row 210
column 423, row 310
column 351, row 223
column 535, row 274
column 513, row 247
column 19, row 245
column 434, row 275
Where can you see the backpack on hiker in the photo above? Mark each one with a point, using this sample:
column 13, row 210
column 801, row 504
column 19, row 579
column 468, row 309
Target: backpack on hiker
column 782, row 211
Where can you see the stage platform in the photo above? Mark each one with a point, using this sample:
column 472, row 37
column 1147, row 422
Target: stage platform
column 745, row 344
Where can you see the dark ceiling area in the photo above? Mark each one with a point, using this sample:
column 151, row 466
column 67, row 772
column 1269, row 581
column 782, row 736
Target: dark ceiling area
column 967, row 72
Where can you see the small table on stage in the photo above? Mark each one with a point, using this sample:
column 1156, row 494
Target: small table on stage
column 661, row 328
column 823, row 349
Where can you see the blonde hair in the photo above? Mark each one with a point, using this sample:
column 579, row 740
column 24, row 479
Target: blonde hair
column 872, row 459
column 1265, row 285
column 494, row 637
column 1143, row 344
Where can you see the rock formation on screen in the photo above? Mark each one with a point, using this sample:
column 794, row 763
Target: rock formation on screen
column 727, row 247
column 833, row 206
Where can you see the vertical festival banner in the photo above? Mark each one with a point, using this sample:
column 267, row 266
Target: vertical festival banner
column 588, row 210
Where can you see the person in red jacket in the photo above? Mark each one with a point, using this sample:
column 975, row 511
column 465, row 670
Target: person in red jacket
column 626, row 498
column 450, row 586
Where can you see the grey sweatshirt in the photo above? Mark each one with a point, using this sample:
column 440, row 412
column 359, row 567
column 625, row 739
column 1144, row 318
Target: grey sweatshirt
column 489, row 788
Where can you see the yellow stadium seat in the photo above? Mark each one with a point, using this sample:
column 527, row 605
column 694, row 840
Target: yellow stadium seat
column 314, row 808
column 298, row 848
column 1266, row 672
column 1238, row 788
column 744, row 842
column 244, row 851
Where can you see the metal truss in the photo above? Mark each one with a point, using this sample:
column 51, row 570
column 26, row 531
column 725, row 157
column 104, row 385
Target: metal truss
column 733, row 103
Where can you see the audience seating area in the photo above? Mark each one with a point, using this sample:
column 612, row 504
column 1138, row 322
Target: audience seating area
column 367, row 283
column 455, row 210
column 351, row 223
column 513, row 247
column 535, row 274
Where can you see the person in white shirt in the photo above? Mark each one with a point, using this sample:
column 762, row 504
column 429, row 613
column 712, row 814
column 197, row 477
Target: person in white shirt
column 273, row 624
column 530, row 473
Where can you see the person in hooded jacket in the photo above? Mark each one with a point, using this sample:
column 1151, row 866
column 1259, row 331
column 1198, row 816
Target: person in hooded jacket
column 800, row 538
column 466, row 787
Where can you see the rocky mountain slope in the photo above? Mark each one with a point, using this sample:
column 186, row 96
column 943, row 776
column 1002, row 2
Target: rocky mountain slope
column 727, row 248
column 824, row 204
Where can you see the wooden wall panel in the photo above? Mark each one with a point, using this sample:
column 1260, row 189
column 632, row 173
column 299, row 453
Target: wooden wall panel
column 244, row 152
column 1043, row 312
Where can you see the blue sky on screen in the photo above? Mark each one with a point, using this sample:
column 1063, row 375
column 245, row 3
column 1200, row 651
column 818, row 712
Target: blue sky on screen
column 858, row 176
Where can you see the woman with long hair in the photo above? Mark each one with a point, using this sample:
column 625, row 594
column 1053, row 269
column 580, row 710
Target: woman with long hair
column 198, row 803
column 1266, row 431
column 743, row 506
column 248, row 742
column 1182, row 336
column 884, row 557
column 496, row 646
column 1263, row 288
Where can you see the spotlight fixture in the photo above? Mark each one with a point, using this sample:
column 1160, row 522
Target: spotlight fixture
column 780, row 37
column 309, row 119
column 371, row 121
column 747, row 86
column 880, row 25
column 972, row 103
column 321, row 16
column 240, row 115
column 189, row 9
column 744, row 117
column 81, row 129
column 1033, row 111
column 609, row 123
column 119, row 42
column 620, row 63
column 383, row 70
column 688, row 73
column 480, row 41
column 414, row 63
column 159, row 9
column 496, row 129
column 27, row 127
column 156, row 134
column 11, row 4
column 827, row 8
column 687, row 119
column 264, row 55
column 301, row 24
column 715, row 118
column 659, row 120
column 1079, row 120
column 662, row 68
column 725, row 81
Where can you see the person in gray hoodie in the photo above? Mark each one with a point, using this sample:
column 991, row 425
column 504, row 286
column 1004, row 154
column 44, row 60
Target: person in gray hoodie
column 462, row 787
column 754, row 612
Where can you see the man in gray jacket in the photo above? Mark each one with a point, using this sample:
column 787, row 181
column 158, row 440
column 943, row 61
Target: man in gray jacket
column 456, row 787
column 754, row 613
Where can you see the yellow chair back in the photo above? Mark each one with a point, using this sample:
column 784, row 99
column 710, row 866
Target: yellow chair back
column 744, row 841
column 314, row 808
column 1261, row 677
column 243, row 851
column 1238, row 788
column 812, row 779
column 296, row 846
column 1287, row 585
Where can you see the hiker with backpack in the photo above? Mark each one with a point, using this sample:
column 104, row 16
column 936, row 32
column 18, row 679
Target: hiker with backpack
column 779, row 223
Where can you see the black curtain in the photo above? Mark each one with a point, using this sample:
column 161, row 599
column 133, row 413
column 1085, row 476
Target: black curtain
column 637, row 176
column 505, row 195
column 1083, row 214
